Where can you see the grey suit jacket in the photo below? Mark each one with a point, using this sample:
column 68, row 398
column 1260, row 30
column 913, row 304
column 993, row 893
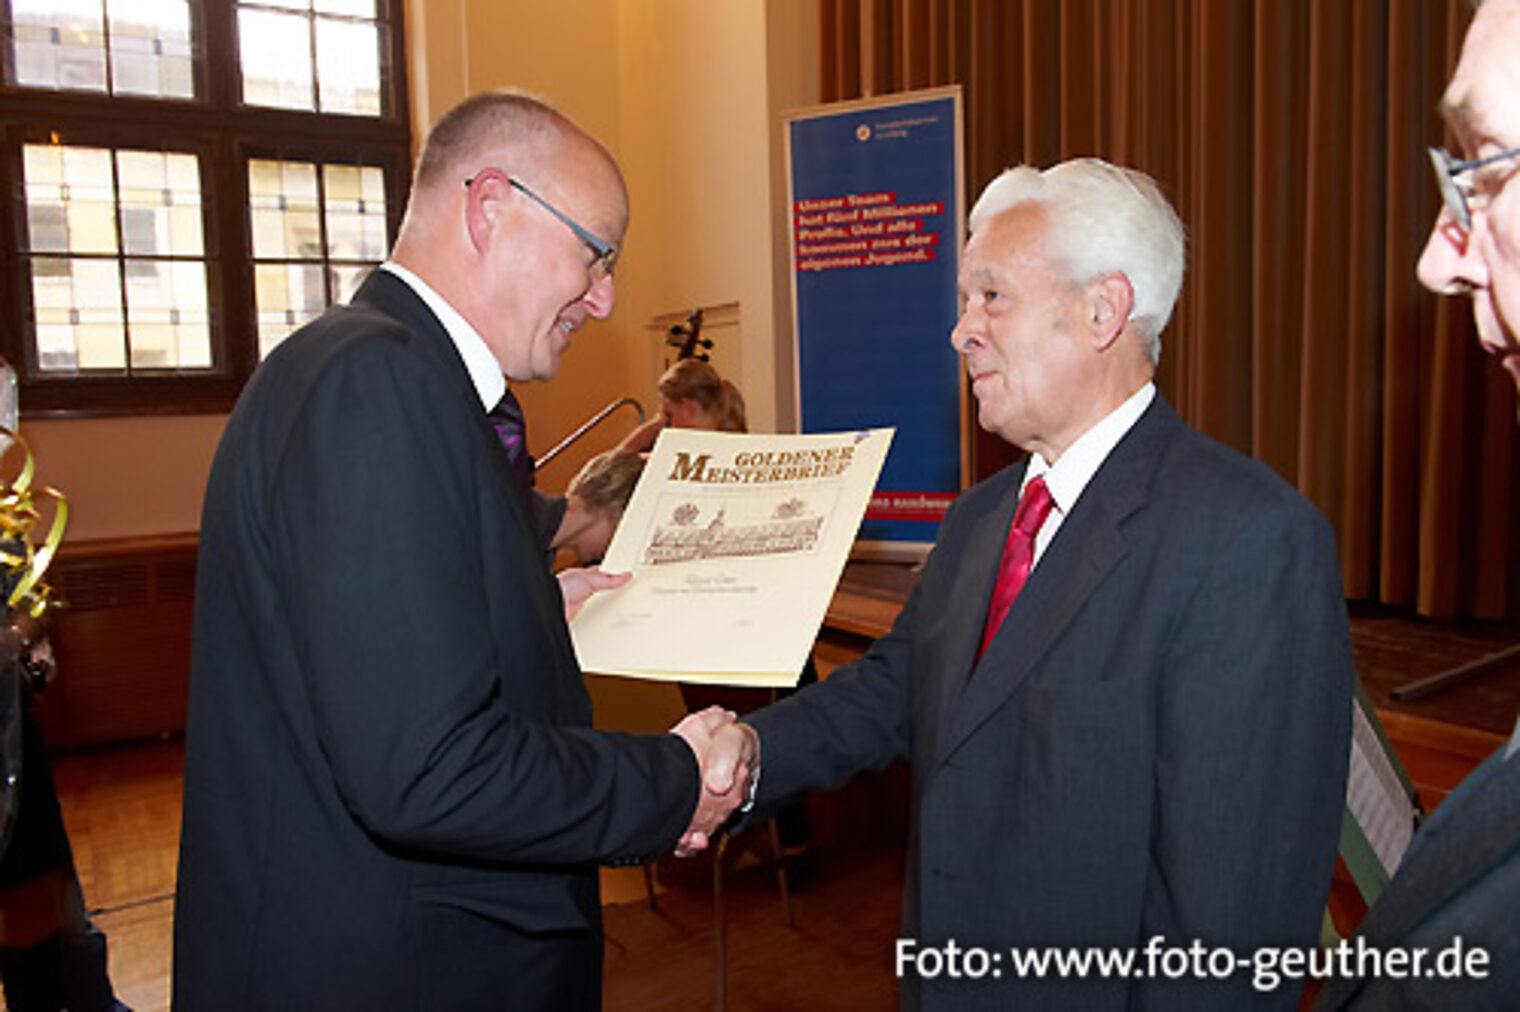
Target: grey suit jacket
column 393, row 796
column 1155, row 742
column 1460, row 879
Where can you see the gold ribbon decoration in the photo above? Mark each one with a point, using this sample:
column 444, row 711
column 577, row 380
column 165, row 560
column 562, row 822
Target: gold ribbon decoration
column 19, row 516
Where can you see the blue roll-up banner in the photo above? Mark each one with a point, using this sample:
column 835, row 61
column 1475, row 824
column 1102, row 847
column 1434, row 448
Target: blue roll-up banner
column 876, row 224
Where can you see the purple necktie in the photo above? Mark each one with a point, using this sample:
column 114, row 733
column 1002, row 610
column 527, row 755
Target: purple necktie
column 507, row 420
column 1018, row 555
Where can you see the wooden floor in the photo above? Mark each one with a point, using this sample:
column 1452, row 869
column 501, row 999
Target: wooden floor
column 122, row 809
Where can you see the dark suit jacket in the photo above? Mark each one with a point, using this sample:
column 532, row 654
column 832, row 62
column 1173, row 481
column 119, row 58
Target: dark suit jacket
column 1459, row 879
column 1155, row 742
column 393, row 798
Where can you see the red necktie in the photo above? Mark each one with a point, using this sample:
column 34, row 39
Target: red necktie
column 1018, row 555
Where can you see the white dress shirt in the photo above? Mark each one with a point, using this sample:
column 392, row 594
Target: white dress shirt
column 1069, row 476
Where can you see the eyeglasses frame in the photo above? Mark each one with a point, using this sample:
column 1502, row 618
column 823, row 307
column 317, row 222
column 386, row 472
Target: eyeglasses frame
column 1454, row 194
column 605, row 253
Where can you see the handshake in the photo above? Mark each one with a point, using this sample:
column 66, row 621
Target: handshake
column 728, row 754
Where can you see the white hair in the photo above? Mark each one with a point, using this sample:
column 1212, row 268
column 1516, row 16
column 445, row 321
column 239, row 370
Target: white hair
column 1102, row 218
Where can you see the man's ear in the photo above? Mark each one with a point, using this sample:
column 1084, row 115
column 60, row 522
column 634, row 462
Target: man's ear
column 1107, row 308
column 484, row 203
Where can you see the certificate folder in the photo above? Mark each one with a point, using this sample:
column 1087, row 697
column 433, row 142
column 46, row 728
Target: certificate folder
column 735, row 543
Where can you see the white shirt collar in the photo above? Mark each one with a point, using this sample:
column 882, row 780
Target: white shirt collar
column 485, row 371
column 1069, row 476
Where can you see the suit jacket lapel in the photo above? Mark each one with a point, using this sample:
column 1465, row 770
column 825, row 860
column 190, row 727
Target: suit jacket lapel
column 1086, row 548
column 973, row 583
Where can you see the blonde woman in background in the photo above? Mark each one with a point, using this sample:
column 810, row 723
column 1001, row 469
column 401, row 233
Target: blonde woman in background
column 692, row 396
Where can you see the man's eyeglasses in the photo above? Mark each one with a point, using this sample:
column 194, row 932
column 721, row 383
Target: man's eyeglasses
column 605, row 253
column 1457, row 195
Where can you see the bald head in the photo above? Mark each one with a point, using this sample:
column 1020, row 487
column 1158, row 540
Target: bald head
column 522, row 134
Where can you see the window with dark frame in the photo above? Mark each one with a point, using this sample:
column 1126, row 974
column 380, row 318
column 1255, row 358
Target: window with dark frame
column 187, row 181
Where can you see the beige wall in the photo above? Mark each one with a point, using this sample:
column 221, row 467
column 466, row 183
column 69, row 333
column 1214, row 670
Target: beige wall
column 127, row 477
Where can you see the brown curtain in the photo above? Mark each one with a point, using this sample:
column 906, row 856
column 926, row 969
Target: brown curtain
column 1291, row 135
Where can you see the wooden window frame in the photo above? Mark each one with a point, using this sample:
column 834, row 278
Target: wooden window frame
column 225, row 133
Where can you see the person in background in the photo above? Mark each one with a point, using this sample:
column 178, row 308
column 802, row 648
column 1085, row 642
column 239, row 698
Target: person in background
column 692, row 396
column 51, row 956
column 1460, row 878
column 594, row 504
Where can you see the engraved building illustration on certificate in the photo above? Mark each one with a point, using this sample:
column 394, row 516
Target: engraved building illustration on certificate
column 691, row 527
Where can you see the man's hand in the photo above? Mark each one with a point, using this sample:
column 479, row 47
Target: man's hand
column 577, row 586
column 728, row 753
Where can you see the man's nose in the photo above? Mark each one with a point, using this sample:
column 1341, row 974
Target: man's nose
column 1450, row 263
column 600, row 297
column 961, row 334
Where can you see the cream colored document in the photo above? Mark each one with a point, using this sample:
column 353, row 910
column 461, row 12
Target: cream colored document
column 735, row 543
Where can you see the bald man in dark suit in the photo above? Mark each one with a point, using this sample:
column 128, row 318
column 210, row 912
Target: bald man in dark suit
column 393, row 795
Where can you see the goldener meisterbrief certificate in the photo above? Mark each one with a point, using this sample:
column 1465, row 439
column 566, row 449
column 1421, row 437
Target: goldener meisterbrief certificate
column 735, row 543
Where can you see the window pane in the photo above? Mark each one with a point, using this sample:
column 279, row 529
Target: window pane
column 277, row 39
column 166, row 314
column 191, row 320
column 150, row 48
column 348, row 66
column 160, row 206
column 96, row 291
column 43, row 165
column 355, row 221
column 276, row 59
column 283, row 208
column 79, row 317
column 47, row 223
column 59, row 44
column 55, row 348
column 52, row 289
column 70, row 199
column 75, row 204
column 283, row 211
column 100, row 344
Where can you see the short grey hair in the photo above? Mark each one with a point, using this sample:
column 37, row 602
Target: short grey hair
column 490, row 117
column 1102, row 218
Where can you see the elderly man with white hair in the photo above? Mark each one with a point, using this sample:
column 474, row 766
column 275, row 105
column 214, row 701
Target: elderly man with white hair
column 1123, row 680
